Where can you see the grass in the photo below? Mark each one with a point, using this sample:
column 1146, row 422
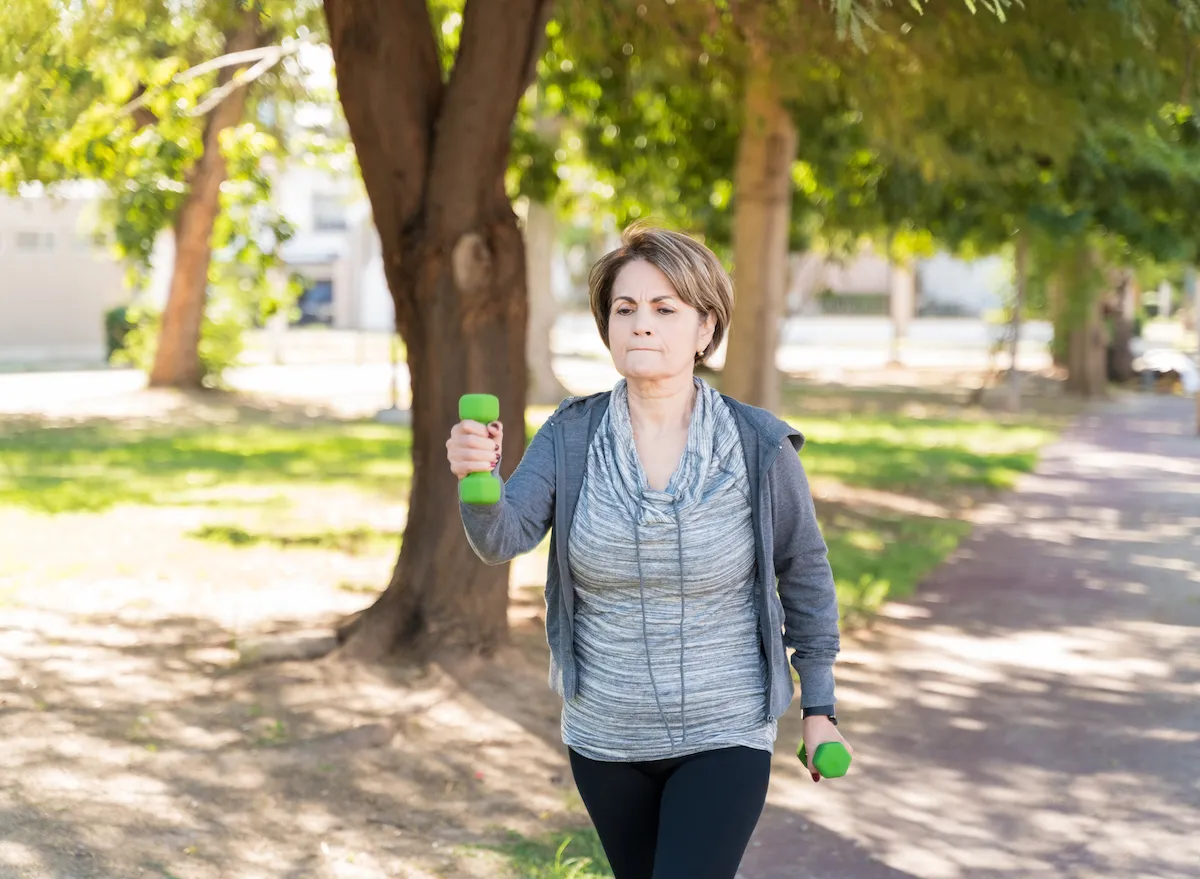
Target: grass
column 914, row 446
column 879, row 558
column 878, row 554
column 91, row 468
column 574, row 854
column 933, row 459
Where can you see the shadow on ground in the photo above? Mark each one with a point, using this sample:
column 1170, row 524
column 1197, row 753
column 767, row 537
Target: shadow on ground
column 1032, row 712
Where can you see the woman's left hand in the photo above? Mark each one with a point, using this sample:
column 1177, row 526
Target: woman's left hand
column 819, row 729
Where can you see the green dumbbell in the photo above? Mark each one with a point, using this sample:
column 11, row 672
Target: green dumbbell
column 479, row 488
column 832, row 759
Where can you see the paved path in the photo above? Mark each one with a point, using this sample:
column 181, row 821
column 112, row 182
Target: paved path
column 1035, row 710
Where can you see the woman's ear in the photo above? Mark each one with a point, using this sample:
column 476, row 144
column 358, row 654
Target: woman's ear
column 708, row 326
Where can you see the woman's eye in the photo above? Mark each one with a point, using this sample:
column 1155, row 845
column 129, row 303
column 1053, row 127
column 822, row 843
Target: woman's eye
column 666, row 311
column 624, row 311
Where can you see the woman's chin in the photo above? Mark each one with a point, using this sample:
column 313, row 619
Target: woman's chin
column 645, row 372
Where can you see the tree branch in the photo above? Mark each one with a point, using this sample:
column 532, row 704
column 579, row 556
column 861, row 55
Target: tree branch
column 390, row 81
column 267, row 56
column 497, row 56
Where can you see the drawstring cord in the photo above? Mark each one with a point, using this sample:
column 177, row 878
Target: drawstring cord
column 637, row 544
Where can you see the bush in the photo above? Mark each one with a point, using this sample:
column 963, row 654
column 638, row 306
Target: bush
column 117, row 326
column 221, row 341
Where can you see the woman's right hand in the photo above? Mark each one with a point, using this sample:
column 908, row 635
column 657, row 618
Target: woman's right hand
column 474, row 447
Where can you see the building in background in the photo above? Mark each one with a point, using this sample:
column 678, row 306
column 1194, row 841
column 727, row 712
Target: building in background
column 57, row 278
column 946, row 286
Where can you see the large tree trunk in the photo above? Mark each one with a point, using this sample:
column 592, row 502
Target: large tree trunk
column 177, row 358
column 762, row 214
column 544, row 387
column 433, row 157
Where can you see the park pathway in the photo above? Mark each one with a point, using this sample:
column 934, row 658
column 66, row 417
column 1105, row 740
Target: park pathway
column 1034, row 711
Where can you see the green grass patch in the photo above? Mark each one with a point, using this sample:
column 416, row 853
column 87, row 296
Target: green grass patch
column 927, row 458
column 573, row 854
column 95, row 467
column 880, row 558
column 877, row 554
column 353, row 541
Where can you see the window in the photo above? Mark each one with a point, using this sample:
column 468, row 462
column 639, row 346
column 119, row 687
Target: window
column 316, row 303
column 329, row 214
column 34, row 242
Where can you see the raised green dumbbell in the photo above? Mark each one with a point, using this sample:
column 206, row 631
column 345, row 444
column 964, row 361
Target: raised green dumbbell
column 832, row 759
column 479, row 488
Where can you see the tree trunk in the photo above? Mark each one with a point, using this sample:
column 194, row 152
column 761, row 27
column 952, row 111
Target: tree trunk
column 1021, row 283
column 1087, row 374
column 177, row 357
column 1056, row 296
column 544, row 386
column 1192, row 287
column 762, row 214
column 433, row 156
column 1120, row 354
column 902, row 295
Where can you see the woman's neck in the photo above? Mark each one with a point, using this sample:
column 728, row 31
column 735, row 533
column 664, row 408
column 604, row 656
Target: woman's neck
column 661, row 407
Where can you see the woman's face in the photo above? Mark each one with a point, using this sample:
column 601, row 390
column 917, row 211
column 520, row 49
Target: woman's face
column 652, row 333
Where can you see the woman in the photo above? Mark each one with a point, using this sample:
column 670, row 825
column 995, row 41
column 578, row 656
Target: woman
column 673, row 512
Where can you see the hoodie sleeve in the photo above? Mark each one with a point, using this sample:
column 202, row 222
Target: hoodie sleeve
column 806, row 587
column 520, row 519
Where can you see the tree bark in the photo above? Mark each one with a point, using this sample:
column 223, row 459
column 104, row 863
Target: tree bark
column 1120, row 359
column 1021, row 283
column 762, row 214
column 433, row 156
column 177, row 357
column 1191, row 286
column 544, row 387
column 1087, row 373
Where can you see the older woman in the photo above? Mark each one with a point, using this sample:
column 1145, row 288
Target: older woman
column 685, row 558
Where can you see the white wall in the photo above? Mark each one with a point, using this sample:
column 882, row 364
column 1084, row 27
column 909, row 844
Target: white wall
column 975, row 287
column 52, row 302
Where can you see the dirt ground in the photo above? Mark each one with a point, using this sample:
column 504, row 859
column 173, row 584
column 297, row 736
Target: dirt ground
column 144, row 735
column 142, row 739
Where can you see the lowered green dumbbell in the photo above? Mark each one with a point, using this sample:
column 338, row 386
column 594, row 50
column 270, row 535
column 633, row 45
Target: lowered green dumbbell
column 832, row 759
column 479, row 488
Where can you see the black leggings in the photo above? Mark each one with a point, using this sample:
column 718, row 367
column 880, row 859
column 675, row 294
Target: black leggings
column 682, row 818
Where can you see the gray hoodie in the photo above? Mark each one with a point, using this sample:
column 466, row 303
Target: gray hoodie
column 795, row 599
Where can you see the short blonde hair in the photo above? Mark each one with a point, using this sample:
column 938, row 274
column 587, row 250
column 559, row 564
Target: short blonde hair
column 694, row 271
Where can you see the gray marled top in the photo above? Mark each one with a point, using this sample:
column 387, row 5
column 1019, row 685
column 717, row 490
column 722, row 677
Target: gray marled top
column 666, row 630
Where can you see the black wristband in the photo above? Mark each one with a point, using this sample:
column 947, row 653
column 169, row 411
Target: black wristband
column 827, row 710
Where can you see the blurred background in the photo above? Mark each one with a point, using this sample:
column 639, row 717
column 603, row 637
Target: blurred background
column 252, row 252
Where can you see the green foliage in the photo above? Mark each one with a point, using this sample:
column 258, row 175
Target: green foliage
column 117, row 325
column 116, row 92
column 575, row 854
column 940, row 128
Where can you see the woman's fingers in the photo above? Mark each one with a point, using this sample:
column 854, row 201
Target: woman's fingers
column 474, row 447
